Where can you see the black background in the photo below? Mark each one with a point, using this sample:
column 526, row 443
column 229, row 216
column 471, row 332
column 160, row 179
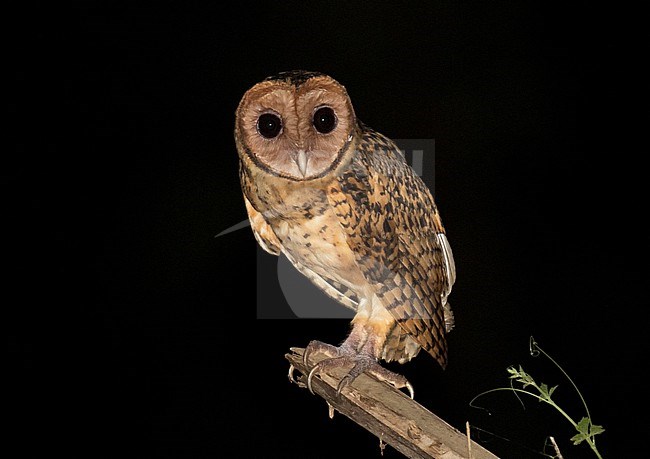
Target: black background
column 132, row 330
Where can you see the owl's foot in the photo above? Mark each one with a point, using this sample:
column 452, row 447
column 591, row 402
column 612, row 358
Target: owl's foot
column 313, row 346
column 327, row 349
column 345, row 356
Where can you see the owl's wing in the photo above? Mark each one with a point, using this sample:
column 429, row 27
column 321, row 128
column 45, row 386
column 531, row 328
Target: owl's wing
column 328, row 285
column 263, row 232
column 399, row 243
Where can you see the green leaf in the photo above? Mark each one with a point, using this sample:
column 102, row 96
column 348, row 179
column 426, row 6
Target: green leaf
column 524, row 378
column 543, row 390
column 595, row 430
column 551, row 390
column 578, row 438
column 583, row 426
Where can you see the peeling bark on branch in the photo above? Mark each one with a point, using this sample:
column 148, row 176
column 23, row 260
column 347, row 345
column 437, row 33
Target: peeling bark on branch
column 389, row 414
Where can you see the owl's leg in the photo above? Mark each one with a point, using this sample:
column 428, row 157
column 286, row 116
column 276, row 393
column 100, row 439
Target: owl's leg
column 360, row 350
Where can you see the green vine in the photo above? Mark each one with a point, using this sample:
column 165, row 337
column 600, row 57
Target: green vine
column 586, row 429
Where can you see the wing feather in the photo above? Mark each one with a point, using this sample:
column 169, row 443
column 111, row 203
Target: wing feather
column 263, row 232
column 396, row 234
column 329, row 286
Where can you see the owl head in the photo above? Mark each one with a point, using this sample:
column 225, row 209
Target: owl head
column 297, row 125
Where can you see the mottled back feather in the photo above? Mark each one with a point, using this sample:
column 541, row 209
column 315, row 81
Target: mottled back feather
column 393, row 227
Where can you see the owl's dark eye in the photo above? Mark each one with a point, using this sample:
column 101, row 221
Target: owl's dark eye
column 324, row 120
column 269, row 125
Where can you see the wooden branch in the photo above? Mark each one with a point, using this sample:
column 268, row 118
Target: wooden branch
column 388, row 413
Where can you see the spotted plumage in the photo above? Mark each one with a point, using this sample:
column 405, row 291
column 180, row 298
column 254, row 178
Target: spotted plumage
column 340, row 201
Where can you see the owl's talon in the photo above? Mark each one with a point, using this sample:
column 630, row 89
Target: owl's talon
column 305, row 357
column 344, row 382
column 326, row 364
column 298, row 382
column 410, row 389
column 311, row 375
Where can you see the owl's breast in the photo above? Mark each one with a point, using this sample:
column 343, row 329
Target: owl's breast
column 308, row 229
column 320, row 244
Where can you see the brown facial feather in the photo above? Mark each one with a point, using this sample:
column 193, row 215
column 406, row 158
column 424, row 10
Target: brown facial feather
column 268, row 97
column 295, row 106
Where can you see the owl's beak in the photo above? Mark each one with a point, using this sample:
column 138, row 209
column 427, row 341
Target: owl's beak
column 301, row 162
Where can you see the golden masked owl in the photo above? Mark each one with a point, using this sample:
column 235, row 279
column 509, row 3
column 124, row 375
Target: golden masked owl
column 340, row 202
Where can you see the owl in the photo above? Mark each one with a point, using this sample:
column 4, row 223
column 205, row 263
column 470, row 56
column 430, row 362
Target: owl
column 339, row 200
